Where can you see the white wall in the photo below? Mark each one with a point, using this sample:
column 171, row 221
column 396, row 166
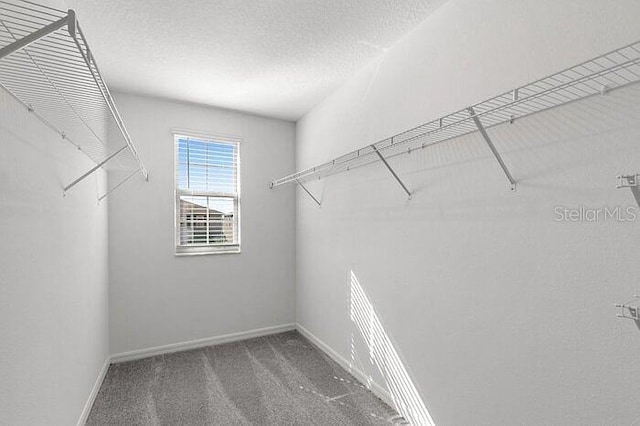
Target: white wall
column 501, row 314
column 157, row 298
column 53, row 274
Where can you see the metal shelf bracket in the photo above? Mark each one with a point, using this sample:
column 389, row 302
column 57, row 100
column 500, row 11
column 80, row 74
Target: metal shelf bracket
column 628, row 181
column 309, row 194
column 393, row 173
column 93, row 169
column 633, row 183
column 630, row 310
column 119, row 184
column 489, row 142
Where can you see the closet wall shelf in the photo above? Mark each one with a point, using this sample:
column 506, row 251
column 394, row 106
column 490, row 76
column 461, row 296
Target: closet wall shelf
column 633, row 183
column 598, row 76
column 628, row 181
column 630, row 309
column 46, row 65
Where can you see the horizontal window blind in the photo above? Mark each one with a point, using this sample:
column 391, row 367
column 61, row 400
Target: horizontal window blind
column 207, row 194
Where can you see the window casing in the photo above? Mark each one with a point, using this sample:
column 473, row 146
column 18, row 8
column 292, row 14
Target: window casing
column 207, row 194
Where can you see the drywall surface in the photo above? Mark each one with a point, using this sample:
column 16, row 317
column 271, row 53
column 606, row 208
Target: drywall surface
column 53, row 274
column 496, row 305
column 157, row 298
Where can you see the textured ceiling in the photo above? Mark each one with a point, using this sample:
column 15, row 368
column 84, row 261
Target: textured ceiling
column 276, row 58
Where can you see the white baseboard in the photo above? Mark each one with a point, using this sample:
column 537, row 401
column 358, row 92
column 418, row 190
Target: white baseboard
column 365, row 379
column 199, row 343
column 374, row 387
column 94, row 392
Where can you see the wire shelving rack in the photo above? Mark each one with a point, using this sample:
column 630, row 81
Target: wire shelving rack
column 46, row 65
column 597, row 76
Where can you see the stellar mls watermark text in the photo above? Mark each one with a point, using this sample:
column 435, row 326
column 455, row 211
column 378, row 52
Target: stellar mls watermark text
column 600, row 214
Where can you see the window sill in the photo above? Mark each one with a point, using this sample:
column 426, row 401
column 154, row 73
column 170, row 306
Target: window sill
column 207, row 251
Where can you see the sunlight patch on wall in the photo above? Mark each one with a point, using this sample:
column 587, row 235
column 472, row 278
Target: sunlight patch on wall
column 383, row 354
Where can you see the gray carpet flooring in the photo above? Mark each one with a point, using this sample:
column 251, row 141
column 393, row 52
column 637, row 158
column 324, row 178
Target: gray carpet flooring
column 281, row 379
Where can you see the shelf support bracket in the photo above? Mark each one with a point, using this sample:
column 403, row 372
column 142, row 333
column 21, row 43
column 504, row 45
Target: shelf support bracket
column 93, row 169
column 630, row 310
column 489, row 142
column 33, row 37
column 122, row 182
column 393, row 173
column 309, row 193
column 633, row 183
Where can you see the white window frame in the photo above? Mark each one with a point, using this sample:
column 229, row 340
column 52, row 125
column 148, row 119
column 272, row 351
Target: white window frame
column 214, row 248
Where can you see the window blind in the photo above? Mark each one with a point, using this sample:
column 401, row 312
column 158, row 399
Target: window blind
column 207, row 195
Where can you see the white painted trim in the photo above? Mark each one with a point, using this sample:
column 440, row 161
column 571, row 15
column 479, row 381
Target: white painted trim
column 365, row 379
column 94, row 392
column 199, row 343
column 213, row 136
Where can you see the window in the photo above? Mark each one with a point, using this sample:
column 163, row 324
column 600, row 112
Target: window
column 207, row 195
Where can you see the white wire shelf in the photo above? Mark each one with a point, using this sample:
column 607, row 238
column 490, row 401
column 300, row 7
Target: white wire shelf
column 46, row 65
column 610, row 71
